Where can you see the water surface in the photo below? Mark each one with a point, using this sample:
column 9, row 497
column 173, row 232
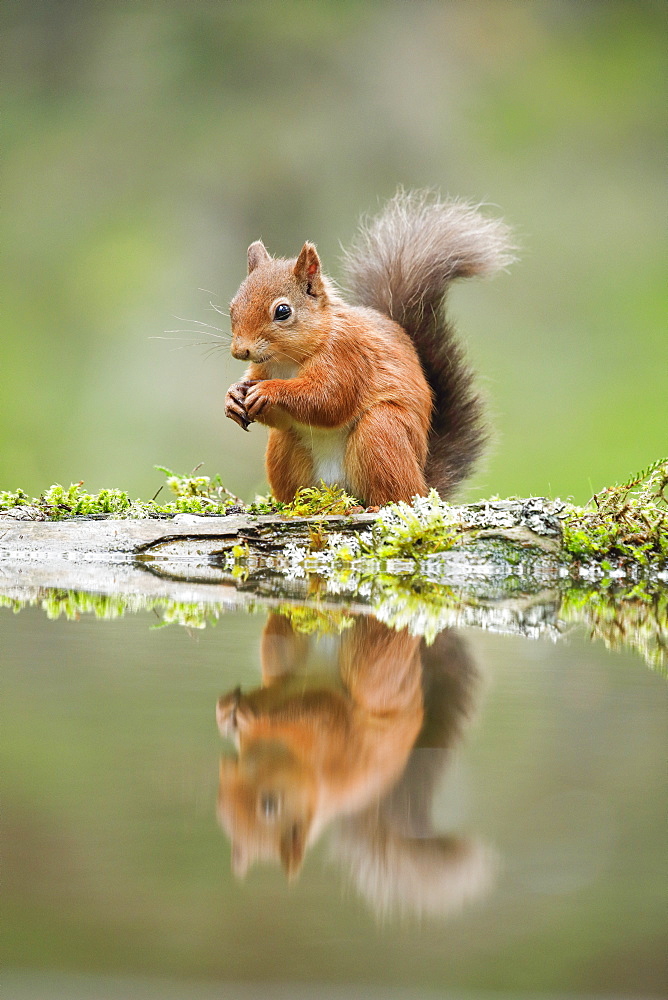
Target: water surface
column 483, row 815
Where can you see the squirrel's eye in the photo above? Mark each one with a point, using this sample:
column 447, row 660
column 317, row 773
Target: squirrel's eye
column 282, row 311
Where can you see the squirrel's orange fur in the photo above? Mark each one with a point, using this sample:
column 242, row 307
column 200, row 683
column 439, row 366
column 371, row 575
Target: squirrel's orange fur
column 352, row 736
column 311, row 749
column 374, row 397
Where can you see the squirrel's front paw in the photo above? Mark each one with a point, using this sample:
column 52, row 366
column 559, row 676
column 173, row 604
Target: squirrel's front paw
column 233, row 713
column 258, row 400
column 235, row 405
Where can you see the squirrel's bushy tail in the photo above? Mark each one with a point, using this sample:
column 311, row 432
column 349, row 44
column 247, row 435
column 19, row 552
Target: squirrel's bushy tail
column 401, row 264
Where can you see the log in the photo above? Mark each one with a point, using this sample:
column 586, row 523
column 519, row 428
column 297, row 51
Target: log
column 506, row 571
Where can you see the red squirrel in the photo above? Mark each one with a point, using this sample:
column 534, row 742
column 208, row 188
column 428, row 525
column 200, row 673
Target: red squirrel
column 375, row 397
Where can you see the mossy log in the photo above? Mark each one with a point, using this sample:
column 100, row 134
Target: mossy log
column 506, row 570
column 497, row 540
column 188, row 540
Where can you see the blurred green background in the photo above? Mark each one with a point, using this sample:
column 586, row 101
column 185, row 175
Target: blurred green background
column 146, row 145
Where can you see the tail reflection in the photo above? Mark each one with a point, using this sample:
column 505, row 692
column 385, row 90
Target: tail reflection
column 390, row 850
column 355, row 727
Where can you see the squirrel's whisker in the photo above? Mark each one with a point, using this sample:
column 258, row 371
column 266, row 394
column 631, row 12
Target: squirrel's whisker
column 204, row 333
column 188, row 343
column 199, row 322
column 284, row 354
column 212, row 348
column 220, row 312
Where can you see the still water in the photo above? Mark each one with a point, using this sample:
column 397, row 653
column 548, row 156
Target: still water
column 268, row 808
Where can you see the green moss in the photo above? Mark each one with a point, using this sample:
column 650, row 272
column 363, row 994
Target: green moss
column 634, row 617
column 13, row 603
column 312, row 620
column 59, row 501
column 194, row 495
column 308, row 502
column 422, row 607
column 623, row 523
column 71, row 604
column 75, row 604
column 411, row 531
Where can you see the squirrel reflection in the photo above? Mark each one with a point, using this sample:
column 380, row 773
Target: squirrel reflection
column 355, row 728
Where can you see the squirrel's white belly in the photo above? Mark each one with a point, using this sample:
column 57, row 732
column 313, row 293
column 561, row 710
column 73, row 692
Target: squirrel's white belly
column 328, row 449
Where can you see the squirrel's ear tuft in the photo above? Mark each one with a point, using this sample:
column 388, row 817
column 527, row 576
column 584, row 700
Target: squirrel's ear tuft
column 257, row 254
column 307, row 270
